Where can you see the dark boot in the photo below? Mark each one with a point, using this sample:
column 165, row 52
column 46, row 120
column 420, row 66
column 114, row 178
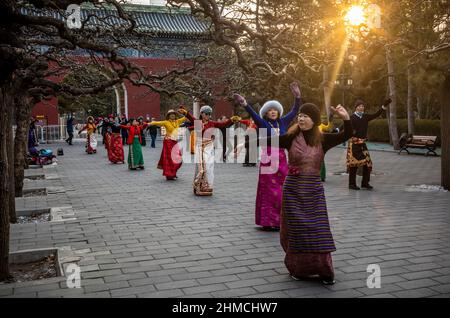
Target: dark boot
column 366, row 179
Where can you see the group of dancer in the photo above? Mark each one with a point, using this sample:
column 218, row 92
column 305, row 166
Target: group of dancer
column 291, row 198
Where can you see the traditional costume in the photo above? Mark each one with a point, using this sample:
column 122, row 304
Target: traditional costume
column 305, row 230
column 357, row 153
column 171, row 157
column 115, row 150
column 135, row 156
column 204, row 155
column 269, row 192
column 91, row 139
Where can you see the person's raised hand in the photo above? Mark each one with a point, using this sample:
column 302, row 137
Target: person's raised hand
column 295, row 89
column 240, row 100
column 341, row 112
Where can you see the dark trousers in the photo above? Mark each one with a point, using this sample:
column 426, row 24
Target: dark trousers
column 365, row 179
column 153, row 137
column 69, row 140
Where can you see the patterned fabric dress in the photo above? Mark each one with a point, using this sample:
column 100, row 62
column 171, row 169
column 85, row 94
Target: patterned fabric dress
column 305, row 230
column 305, row 233
column 270, row 183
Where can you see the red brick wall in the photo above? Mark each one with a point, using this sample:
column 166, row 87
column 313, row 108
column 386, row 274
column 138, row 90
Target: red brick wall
column 141, row 101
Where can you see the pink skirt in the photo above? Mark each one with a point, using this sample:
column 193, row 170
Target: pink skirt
column 269, row 195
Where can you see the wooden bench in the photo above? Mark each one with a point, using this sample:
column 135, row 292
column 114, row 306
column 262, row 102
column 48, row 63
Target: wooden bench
column 418, row 142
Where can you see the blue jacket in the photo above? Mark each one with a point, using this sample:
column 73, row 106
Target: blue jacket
column 282, row 123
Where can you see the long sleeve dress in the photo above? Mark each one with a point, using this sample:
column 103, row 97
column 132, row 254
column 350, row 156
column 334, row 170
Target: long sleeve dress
column 305, row 229
column 272, row 170
column 91, row 140
column 134, row 139
column 115, row 150
column 171, row 158
column 204, row 156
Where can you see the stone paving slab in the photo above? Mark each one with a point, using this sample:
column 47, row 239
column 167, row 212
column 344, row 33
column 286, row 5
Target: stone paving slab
column 137, row 235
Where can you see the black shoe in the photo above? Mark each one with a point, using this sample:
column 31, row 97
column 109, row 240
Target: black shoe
column 295, row 278
column 354, row 187
column 367, row 187
column 328, row 282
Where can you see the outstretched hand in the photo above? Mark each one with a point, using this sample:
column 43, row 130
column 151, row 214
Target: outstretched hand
column 182, row 110
column 341, row 112
column 235, row 119
column 240, row 100
column 295, row 89
column 386, row 103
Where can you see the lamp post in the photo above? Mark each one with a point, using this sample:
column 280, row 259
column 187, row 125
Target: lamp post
column 344, row 80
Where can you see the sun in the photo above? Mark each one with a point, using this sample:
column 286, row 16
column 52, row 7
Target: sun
column 355, row 16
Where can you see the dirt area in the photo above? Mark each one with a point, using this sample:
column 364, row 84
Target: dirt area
column 34, row 218
column 45, row 268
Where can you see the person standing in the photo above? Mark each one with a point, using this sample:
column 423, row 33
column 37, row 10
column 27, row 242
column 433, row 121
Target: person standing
column 270, row 181
column 124, row 132
column 305, row 232
column 204, row 151
column 143, row 126
column 251, row 129
column 170, row 160
column 153, row 131
column 69, row 128
column 135, row 156
column 357, row 152
column 91, row 140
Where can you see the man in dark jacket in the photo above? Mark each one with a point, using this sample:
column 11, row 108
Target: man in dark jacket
column 69, row 127
column 153, row 131
column 358, row 154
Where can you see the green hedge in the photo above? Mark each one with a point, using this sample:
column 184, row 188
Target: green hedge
column 379, row 130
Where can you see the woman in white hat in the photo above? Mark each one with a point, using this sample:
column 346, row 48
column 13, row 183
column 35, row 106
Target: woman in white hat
column 269, row 193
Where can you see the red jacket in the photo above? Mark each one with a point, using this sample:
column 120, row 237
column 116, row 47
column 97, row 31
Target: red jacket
column 132, row 131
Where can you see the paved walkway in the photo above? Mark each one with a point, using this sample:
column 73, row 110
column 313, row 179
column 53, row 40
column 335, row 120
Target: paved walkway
column 137, row 235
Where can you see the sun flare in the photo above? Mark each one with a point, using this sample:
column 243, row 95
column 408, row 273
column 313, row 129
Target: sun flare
column 355, row 16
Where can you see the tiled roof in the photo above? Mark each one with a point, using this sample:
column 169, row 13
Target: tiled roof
column 164, row 24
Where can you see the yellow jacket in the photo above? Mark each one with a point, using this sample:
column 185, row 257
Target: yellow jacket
column 326, row 128
column 171, row 126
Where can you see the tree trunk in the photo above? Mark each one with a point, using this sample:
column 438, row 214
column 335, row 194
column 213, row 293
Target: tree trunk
column 428, row 114
column 5, row 105
column 419, row 107
column 393, row 128
column 23, row 111
column 327, row 90
column 10, row 150
column 410, row 108
column 445, row 133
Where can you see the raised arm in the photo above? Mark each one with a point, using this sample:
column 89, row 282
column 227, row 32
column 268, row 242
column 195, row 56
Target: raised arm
column 295, row 89
column 181, row 120
column 332, row 140
column 158, row 123
column 256, row 118
column 386, row 103
column 288, row 118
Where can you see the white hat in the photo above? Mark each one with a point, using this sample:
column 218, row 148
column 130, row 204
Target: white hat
column 206, row 109
column 271, row 104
